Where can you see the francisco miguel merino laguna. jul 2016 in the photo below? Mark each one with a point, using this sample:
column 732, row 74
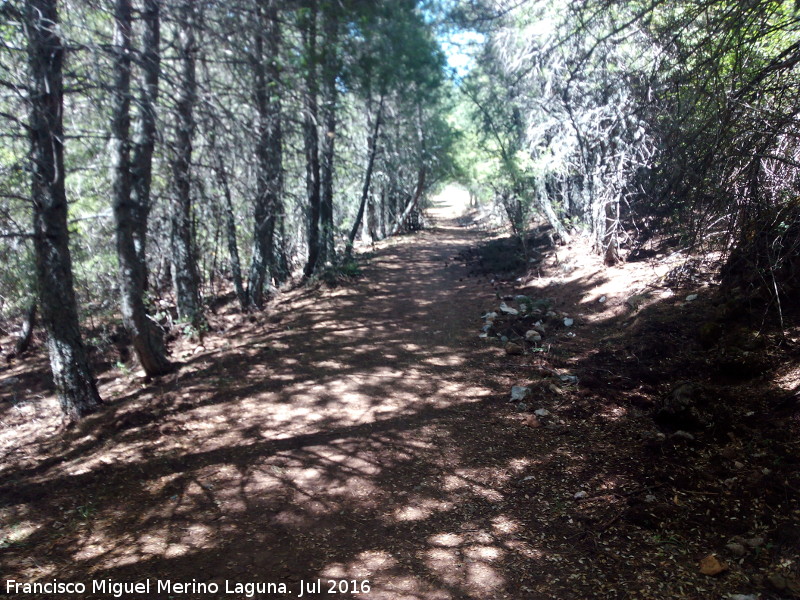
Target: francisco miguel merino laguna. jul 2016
column 249, row 589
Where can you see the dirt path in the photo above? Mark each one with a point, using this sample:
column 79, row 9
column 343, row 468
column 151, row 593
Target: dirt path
column 363, row 434
column 344, row 437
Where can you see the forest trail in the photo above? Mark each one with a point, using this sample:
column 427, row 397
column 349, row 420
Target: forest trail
column 351, row 436
column 363, row 434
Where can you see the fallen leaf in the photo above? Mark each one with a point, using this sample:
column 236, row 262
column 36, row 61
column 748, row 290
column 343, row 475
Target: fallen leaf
column 711, row 565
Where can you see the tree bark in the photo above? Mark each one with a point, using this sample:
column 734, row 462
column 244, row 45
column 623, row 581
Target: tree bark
column 330, row 72
column 146, row 336
column 145, row 134
column 230, row 229
column 269, row 150
column 75, row 385
column 185, row 279
column 372, row 150
column 412, row 204
column 311, row 139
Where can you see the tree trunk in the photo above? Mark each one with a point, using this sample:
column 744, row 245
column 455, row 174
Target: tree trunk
column 147, row 339
column 372, row 219
column 543, row 200
column 185, row 279
column 311, row 140
column 145, row 135
column 75, row 385
column 412, row 204
column 269, row 151
column 26, row 331
column 372, row 150
column 230, row 230
column 330, row 72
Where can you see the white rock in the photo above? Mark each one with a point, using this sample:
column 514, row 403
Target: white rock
column 490, row 315
column 581, row 495
column 602, row 300
column 568, row 322
column 541, row 412
column 533, row 336
column 691, row 297
column 483, row 335
column 508, row 310
column 519, row 392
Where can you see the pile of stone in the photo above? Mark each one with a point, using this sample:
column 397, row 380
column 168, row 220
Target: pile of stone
column 523, row 326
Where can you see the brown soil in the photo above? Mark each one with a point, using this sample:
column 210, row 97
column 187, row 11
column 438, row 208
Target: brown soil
column 364, row 433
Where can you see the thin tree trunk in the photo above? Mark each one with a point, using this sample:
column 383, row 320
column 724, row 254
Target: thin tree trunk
column 147, row 339
column 383, row 212
column 75, row 385
column 412, row 204
column 145, row 134
column 269, row 151
column 230, row 230
column 330, row 72
column 185, row 279
column 372, row 219
column 311, row 140
column 26, row 331
column 372, row 150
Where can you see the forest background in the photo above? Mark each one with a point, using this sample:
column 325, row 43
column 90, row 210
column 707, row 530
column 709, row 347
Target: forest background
column 159, row 154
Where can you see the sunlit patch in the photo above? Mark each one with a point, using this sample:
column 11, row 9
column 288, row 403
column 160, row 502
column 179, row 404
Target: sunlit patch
column 446, row 563
column 519, row 464
column 446, row 539
column 485, row 553
column 504, row 525
column 484, row 577
column 412, row 513
column 421, row 508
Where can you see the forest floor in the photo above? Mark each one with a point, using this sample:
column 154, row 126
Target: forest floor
column 363, row 433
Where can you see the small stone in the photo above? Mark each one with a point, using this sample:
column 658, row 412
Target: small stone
column 523, row 407
column 569, row 379
column 489, row 324
column 513, row 349
column 508, row 310
column 541, row 412
column 742, row 597
column 711, row 566
column 691, row 297
column 519, row 393
column 483, row 335
column 581, row 495
column 602, row 300
column 754, row 542
column 532, row 421
column 568, row 322
column 490, row 315
column 533, row 336
column 650, row 498
column 685, row 435
column 738, row 465
column 735, row 548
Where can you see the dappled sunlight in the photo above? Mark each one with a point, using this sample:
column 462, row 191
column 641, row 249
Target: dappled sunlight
column 348, row 438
